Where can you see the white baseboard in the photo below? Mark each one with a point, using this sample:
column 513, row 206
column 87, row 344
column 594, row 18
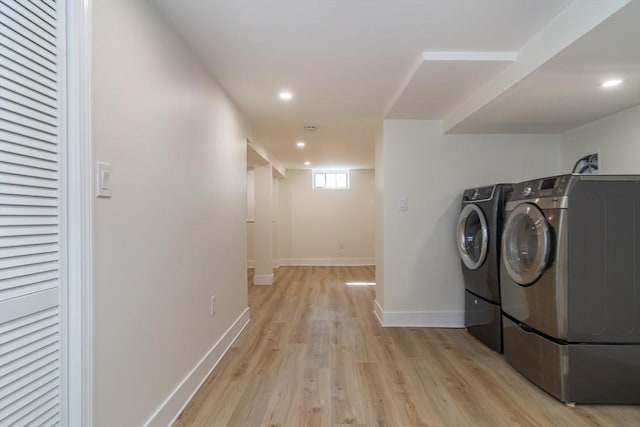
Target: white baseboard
column 252, row 263
column 320, row 262
column 171, row 408
column 328, row 262
column 419, row 319
column 263, row 279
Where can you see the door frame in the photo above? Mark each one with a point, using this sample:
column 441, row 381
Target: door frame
column 77, row 301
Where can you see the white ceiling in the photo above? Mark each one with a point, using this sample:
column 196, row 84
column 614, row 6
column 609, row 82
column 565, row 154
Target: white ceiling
column 352, row 63
column 564, row 93
column 439, row 85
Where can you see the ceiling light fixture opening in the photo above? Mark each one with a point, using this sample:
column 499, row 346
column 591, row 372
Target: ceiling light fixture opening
column 611, row 83
column 285, row 95
column 300, row 144
column 307, row 163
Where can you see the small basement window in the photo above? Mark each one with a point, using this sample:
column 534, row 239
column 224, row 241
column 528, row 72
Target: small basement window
column 331, row 180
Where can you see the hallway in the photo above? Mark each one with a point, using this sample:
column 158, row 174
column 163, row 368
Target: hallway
column 315, row 355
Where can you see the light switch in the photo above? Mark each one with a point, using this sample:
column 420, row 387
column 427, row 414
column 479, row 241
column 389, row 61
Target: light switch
column 104, row 179
column 404, row 204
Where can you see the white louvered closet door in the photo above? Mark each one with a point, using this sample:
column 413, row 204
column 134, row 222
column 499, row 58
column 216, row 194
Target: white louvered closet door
column 30, row 211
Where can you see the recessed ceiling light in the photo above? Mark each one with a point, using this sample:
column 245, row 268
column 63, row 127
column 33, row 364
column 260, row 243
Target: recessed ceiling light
column 307, row 163
column 285, row 95
column 611, row 83
column 300, row 144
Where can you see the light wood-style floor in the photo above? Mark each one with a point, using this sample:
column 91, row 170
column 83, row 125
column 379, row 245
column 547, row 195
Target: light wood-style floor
column 314, row 355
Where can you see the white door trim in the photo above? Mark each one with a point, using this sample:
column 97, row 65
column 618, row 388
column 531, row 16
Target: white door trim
column 79, row 314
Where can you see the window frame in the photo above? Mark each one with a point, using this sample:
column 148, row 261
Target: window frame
column 326, row 172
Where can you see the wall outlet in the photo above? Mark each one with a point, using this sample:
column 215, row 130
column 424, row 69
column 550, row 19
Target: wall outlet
column 213, row 305
column 404, row 204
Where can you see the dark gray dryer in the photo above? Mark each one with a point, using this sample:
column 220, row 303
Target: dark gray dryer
column 478, row 241
column 570, row 286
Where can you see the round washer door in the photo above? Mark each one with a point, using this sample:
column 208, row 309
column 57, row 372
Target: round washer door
column 526, row 244
column 472, row 236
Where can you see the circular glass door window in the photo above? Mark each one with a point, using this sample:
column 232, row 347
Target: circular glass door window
column 472, row 236
column 526, row 244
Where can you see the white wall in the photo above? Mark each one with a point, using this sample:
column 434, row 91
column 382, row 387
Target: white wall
column 276, row 222
column 251, row 201
column 174, row 232
column 251, row 194
column 616, row 138
column 422, row 281
column 251, row 249
column 313, row 223
column 263, row 227
column 379, row 214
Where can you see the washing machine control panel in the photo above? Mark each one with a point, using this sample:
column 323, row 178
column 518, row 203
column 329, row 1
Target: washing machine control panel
column 477, row 194
column 539, row 188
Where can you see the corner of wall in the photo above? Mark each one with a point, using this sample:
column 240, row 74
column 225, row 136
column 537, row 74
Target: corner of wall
column 379, row 214
column 172, row 407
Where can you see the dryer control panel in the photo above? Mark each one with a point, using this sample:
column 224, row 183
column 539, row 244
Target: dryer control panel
column 541, row 188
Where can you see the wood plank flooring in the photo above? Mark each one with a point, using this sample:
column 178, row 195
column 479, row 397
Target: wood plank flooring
column 315, row 355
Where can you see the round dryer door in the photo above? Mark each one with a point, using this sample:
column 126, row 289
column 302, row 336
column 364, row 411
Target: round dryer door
column 472, row 236
column 526, row 244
